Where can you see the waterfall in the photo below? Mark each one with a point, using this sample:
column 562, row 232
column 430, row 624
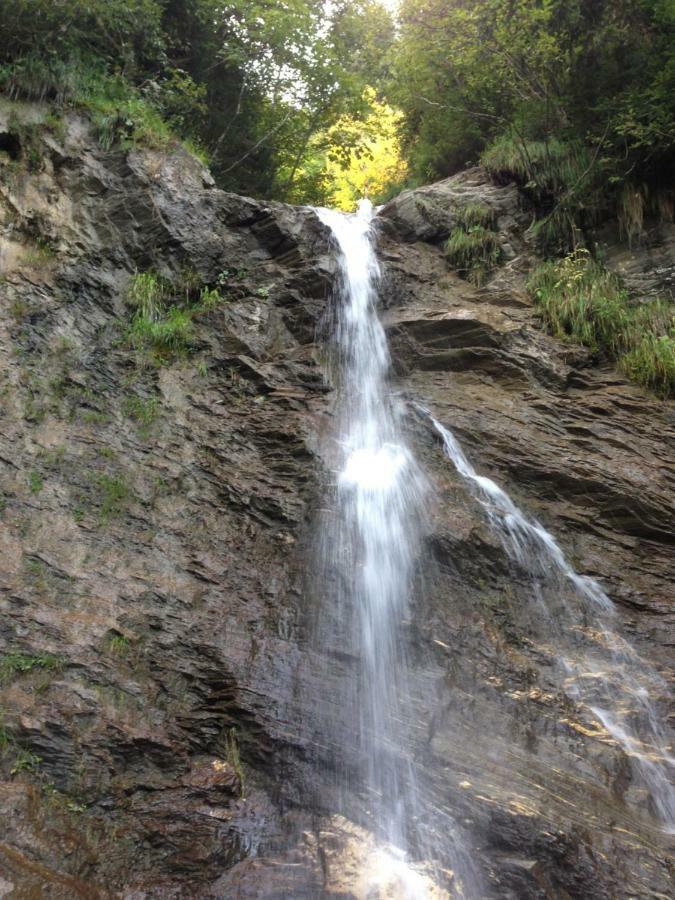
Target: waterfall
column 368, row 553
column 599, row 670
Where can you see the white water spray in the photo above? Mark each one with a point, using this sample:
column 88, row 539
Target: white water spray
column 601, row 671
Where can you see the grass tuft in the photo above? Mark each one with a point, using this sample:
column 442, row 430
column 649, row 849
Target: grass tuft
column 474, row 252
column 475, row 214
column 583, row 302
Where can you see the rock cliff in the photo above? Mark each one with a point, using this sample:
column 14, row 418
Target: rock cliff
column 162, row 699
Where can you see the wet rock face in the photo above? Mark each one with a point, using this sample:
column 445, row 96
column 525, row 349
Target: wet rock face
column 162, row 698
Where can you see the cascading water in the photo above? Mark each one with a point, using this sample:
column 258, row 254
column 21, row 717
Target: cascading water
column 599, row 669
column 368, row 551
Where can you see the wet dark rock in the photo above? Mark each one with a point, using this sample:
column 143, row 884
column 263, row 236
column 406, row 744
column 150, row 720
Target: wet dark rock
column 160, row 551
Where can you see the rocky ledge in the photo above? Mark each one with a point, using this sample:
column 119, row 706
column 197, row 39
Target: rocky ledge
column 162, row 697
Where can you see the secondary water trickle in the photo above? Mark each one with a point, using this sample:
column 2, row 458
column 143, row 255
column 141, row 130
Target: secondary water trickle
column 598, row 669
column 368, row 552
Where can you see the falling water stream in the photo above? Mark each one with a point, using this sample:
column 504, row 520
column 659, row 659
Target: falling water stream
column 598, row 669
column 368, row 553
column 372, row 545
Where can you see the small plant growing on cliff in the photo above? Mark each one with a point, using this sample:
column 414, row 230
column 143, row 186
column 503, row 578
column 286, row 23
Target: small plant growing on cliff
column 13, row 665
column 115, row 495
column 474, row 252
column 154, row 327
column 143, row 412
column 119, row 645
column 475, row 214
column 209, row 298
column 581, row 301
column 170, row 334
column 146, row 292
column 25, row 761
column 35, row 482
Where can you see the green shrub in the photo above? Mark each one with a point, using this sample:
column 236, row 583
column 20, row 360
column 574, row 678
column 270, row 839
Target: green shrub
column 119, row 112
column 542, row 166
column 474, row 252
column 15, row 664
column 209, row 298
column 581, row 301
column 119, row 645
column 146, row 292
column 25, row 761
column 35, row 77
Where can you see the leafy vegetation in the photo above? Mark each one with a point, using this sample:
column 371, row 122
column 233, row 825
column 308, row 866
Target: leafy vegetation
column 359, row 156
column 248, row 83
column 572, row 99
column 143, row 412
column 581, row 301
column 163, row 330
column 35, row 482
column 15, row 664
column 162, row 323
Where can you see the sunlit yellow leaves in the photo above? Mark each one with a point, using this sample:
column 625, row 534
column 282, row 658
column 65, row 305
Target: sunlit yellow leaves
column 363, row 157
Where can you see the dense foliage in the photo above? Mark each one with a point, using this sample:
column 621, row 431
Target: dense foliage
column 573, row 97
column 249, row 81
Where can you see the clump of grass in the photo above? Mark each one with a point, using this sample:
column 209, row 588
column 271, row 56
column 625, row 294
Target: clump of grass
column 475, row 214
column 165, row 331
column 119, row 645
column 25, row 761
column 542, row 166
column 147, row 292
column 143, row 412
column 35, row 77
column 652, row 363
column 474, row 252
column 13, row 665
column 119, row 112
column 169, row 335
column 209, row 298
column 115, row 495
column 160, row 324
column 38, row 255
column 35, row 482
column 583, row 302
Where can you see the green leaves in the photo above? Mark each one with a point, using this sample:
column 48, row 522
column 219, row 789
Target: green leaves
column 598, row 78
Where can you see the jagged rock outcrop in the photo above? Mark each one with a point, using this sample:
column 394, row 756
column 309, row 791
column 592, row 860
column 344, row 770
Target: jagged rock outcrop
column 162, row 698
